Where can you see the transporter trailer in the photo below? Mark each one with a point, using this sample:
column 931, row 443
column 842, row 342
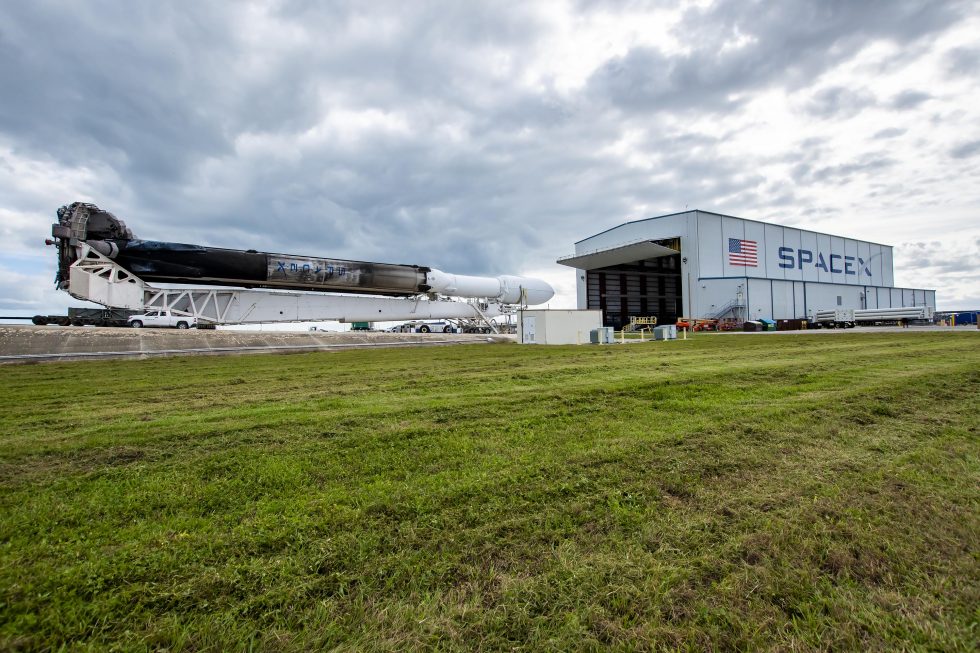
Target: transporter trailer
column 101, row 260
column 846, row 318
column 102, row 317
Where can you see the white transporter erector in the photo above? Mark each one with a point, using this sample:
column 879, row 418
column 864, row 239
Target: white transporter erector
column 100, row 260
column 699, row 264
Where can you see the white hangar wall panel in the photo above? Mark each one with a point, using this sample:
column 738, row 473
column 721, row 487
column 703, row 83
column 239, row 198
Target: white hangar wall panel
column 885, row 298
column 822, row 296
column 581, row 296
column 775, row 237
column 792, row 238
column 783, row 301
column 887, row 271
column 871, row 298
column 824, row 244
column 731, row 229
column 808, row 243
column 785, row 253
column 799, row 300
column 709, row 245
column 759, row 298
column 712, row 295
column 776, row 299
column 755, row 232
column 836, row 252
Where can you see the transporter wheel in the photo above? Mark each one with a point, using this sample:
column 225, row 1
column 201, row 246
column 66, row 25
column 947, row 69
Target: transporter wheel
column 447, row 329
column 39, row 320
column 64, row 321
column 136, row 324
column 424, row 328
column 182, row 325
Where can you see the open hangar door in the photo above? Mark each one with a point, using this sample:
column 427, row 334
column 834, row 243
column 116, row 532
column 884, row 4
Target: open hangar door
column 641, row 279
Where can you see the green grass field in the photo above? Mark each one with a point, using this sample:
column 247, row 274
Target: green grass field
column 729, row 492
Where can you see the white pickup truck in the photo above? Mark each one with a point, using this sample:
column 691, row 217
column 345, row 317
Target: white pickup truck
column 161, row 319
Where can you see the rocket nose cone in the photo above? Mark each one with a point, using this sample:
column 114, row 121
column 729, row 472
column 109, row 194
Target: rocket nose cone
column 534, row 291
column 539, row 292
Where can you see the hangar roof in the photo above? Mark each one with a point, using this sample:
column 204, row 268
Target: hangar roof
column 725, row 215
column 604, row 258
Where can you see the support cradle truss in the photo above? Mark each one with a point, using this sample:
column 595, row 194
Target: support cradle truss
column 96, row 278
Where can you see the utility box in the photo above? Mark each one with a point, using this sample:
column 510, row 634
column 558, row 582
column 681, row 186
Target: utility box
column 665, row 332
column 601, row 336
column 790, row 325
column 557, row 327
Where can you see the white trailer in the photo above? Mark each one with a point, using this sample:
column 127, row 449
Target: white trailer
column 894, row 315
column 834, row 318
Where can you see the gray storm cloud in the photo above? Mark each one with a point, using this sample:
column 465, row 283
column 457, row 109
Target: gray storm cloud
column 410, row 132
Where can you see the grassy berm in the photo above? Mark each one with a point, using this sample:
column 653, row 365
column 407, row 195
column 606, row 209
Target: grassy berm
column 725, row 493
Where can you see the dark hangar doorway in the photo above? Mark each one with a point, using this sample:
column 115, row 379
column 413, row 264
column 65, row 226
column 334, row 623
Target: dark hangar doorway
column 651, row 287
column 637, row 280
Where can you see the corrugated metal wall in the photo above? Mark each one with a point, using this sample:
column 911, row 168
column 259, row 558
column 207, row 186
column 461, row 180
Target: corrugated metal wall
column 786, row 253
column 796, row 271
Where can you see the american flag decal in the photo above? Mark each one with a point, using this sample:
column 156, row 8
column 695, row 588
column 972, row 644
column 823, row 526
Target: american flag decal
column 743, row 252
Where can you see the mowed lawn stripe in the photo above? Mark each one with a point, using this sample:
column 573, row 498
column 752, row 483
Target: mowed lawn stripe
column 726, row 492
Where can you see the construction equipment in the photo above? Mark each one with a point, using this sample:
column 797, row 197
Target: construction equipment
column 697, row 324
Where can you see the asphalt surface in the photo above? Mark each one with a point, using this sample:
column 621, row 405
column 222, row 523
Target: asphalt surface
column 867, row 329
column 51, row 343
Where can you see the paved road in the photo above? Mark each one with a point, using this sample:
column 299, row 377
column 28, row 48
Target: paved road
column 885, row 329
column 49, row 343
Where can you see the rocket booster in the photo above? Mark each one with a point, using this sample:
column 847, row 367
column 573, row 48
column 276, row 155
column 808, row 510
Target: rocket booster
column 197, row 264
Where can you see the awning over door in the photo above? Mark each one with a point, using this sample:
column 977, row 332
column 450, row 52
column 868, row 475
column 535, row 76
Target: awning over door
column 617, row 255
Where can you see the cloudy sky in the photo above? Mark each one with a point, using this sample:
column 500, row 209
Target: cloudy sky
column 487, row 138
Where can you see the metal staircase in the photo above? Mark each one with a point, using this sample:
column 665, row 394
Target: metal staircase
column 734, row 307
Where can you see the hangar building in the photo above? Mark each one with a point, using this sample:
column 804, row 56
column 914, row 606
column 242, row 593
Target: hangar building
column 700, row 264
